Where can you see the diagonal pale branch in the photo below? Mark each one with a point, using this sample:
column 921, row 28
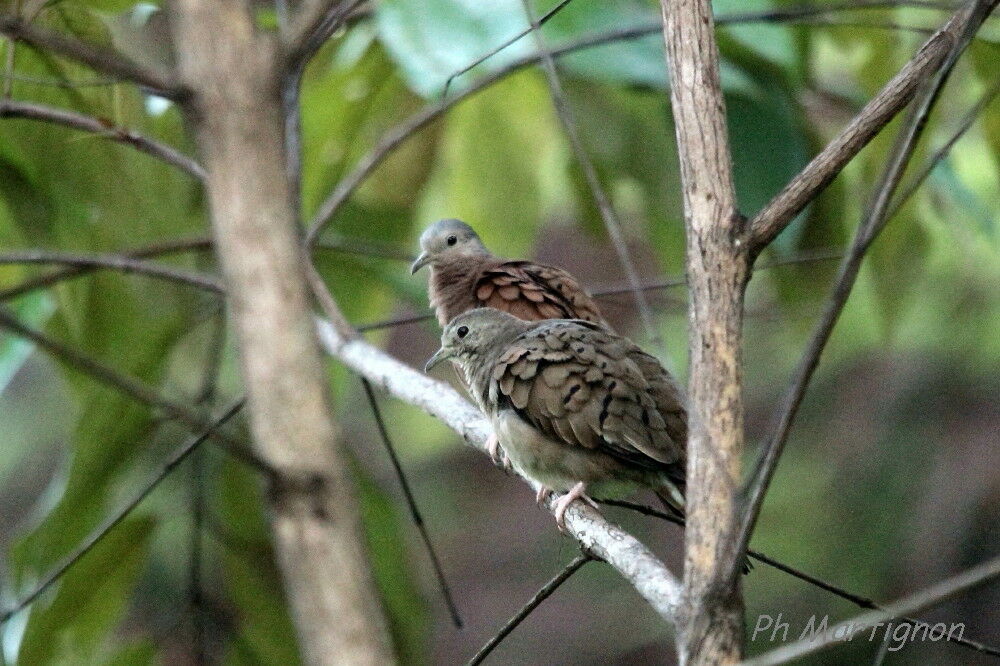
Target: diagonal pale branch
column 969, row 20
column 97, row 58
column 813, row 179
column 176, row 459
column 605, row 540
column 931, row 596
column 14, row 109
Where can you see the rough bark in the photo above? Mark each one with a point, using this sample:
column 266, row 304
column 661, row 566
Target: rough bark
column 710, row 626
column 232, row 70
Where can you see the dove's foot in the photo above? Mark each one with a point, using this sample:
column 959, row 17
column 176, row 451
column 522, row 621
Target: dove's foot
column 577, row 492
column 542, row 494
column 497, row 454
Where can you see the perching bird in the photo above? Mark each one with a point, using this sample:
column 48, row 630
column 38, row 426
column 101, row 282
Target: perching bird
column 464, row 275
column 572, row 404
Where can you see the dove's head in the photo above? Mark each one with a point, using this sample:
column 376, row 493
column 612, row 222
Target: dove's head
column 477, row 335
column 446, row 239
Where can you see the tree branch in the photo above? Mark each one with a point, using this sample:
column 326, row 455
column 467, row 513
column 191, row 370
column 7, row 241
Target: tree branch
column 711, row 629
column 544, row 593
column 916, row 602
column 876, row 217
column 610, row 218
column 88, row 544
column 116, row 262
column 603, row 539
column 235, row 72
column 97, row 58
column 130, row 387
column 400, row 133
column 411, row 504
column 813, row 179
column 13, row 109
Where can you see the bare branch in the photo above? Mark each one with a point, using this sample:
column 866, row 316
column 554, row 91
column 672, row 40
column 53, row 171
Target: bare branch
column 856, row 599
column 95, row 538
column 544, row 593
column 916, row 602
column 882, row 108
column 97, row 58
column 411, row 503
column 542, row 20
column 876, row 217
column 300, row 51
column 195, row 244
column 130, row 387
column 967, row 121
column 114, row 262
column 399, row 134
column 603, row 539
column 104, row 129
column 608, row 215
column 717, row 272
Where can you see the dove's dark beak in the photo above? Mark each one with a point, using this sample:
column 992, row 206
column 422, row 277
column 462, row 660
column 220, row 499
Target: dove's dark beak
column 442, row 354
column 421, row 261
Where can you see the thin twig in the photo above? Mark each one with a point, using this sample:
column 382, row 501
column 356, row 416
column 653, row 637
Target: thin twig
column 967, row 121
column 103, row 128
column 544, row 593
column 406, row 129
column 97, row 58
column 875, row 220
column 805, row 257
column 130, row 387
column 299, row 54
column 856, row 599
column 196, row 244
column 114, row 262
column 916, row 602
column 543, row 19
column 882, row 108
column 411, row 503
column 612, row 223
column 176, row 459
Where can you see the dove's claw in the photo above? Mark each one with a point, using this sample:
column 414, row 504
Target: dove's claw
column 542, row 494
column 575, row 493
column 497, row 454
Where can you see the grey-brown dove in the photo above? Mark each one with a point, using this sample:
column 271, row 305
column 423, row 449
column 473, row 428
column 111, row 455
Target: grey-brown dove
column 572, row 403
column 464, row 275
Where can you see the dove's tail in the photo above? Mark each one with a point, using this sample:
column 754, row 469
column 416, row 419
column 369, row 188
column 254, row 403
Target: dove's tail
column 671, row 495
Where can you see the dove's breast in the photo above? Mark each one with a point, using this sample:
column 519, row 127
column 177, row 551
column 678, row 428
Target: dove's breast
column 556, row 465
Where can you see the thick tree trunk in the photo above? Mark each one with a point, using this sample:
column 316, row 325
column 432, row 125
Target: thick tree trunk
column 232, row 72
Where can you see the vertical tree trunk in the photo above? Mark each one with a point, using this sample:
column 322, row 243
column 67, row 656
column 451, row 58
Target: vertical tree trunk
column 232, row 71
column 711, row 628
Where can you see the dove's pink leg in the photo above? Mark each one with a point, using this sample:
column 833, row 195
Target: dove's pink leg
column 575, row 493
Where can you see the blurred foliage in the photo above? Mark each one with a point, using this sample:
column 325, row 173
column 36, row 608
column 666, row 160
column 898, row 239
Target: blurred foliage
column 76, row 449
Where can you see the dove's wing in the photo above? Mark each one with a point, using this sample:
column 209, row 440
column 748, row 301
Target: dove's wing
column 584, row 386
column 532, row 292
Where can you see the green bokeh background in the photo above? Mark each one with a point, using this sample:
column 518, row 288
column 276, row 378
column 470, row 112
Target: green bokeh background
column 892, row 476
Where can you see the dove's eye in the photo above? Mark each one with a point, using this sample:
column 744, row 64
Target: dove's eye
column 452, row 240
column 462, row 331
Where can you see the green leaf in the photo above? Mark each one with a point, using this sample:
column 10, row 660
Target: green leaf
column 91, row 597
column 33, row 310
column 498, row 152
